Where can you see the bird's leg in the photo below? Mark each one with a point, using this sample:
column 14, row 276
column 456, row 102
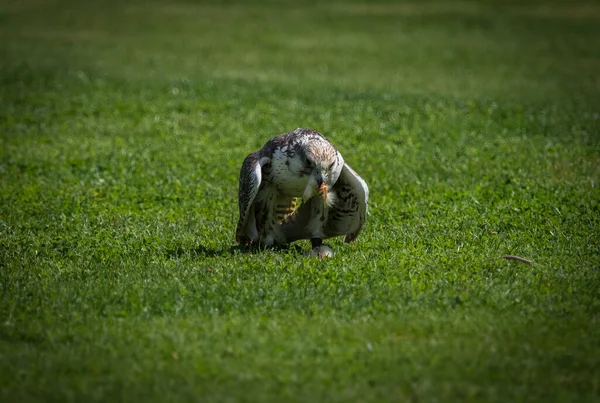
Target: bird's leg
column 318, row 248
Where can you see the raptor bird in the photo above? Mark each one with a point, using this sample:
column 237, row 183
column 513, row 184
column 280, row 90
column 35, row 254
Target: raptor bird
column 301, row 163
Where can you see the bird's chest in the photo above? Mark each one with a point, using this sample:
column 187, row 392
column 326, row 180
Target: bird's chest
column 279, row 176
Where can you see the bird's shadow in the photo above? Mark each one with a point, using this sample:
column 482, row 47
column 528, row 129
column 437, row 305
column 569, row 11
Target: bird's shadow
column 204, row 251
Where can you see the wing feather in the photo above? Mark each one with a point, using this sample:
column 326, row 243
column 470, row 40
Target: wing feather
column 348, row 215
column 250, row 180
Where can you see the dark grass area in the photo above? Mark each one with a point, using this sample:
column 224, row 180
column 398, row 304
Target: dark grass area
column 123, row 126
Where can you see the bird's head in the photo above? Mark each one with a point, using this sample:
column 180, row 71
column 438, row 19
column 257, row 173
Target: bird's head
column 322, row 163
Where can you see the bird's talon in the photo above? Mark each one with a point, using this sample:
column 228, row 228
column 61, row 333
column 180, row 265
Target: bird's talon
column 321, row 252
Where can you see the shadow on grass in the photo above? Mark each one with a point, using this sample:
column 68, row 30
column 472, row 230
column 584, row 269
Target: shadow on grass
column 204, row 251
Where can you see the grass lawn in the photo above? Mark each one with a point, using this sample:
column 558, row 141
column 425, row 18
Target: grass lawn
column 123, row 125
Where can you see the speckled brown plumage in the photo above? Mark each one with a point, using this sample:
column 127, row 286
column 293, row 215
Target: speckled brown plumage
column 301, row 163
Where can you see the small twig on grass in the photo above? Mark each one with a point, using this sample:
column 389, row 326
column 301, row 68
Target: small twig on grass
column 517, row 258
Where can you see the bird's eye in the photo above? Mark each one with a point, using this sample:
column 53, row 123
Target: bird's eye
column 307, row 161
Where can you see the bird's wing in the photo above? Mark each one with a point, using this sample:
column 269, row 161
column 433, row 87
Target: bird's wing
column 250, row 179
column 347, row 216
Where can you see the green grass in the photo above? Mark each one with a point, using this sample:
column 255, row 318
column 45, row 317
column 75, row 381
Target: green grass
column 123, row 126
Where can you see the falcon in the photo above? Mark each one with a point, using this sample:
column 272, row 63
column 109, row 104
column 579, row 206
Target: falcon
column 299, row 164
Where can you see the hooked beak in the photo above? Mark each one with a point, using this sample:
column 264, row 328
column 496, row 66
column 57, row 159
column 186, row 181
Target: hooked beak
column 321, row 185
column 321, row 188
